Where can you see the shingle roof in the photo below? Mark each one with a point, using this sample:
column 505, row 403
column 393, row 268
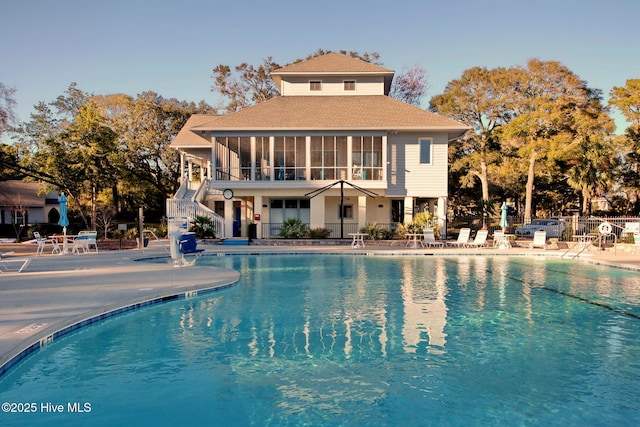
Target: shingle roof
column 332, row 63
column 21, row 193
column 188, row 139
column 375, row 112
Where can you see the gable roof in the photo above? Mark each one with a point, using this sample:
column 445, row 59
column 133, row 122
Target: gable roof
column 23, row 193
column 186, row 138
column 332, row 64
column 373, row 112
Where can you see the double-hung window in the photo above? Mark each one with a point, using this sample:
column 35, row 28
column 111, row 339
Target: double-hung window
column 425, row 150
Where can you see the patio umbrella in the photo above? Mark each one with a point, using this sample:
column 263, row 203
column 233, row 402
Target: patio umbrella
column 64, row 220
column 504, row 223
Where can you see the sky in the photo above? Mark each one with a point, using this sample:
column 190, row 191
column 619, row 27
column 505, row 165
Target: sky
column 171, row 47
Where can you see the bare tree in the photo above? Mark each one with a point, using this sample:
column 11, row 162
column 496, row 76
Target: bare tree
column 104, row 220
column 18, row 209
column 7, row 106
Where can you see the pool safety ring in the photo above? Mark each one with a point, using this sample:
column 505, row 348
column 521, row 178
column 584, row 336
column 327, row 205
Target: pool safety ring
column 605, row 228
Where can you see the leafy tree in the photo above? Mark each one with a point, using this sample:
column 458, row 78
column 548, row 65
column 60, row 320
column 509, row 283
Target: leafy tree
column 627, row 100
column 250, row 86
column 549, row 103
column 145, row 126
column 479, row 99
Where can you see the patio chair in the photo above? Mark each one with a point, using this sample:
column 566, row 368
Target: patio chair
column 539, row 240
column 463, row 238
column 85, row 240
column 43, row 243
column 429, row 239
column 480, row 239
column 498, row 238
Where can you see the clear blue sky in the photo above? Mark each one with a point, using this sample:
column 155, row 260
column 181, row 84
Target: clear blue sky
column 170, row 47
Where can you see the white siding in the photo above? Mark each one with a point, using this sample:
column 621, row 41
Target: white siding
column 407, row 177
column 332, row 85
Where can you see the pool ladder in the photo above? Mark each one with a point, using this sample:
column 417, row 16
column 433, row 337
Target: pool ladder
column 583, row 246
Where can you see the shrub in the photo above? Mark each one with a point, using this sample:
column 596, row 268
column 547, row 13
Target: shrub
column 375, row 232
column 202, row 226
column 319, row 233
column 293, row 228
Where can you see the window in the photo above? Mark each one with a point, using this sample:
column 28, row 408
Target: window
column 315, row 85
column 349, row 85
column 347, row 212
column 425, row 151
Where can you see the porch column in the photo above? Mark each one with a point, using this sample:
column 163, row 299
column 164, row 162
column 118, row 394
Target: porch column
column 317, row 219
column 228, row 219
column 182, row 154
column 383, row 172
column 252, row 176
column 408, row 210
column 442, row 216
column 362, row 211
column 350, row 158
column 214, row 160
column 272, row 169
column 257, row 210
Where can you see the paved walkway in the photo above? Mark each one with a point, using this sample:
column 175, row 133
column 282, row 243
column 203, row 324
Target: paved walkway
column 56, row 294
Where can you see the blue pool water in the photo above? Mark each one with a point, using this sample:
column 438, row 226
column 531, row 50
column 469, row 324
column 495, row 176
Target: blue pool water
column 356, row 341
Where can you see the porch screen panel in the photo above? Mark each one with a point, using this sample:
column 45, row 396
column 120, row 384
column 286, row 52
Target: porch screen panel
column 367, row 157
column 245, row 157
column 262, row 159
column 328, row 157
column 316, row 158
column 341, row 157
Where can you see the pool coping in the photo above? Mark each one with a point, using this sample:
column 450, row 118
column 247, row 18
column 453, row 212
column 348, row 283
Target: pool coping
column 47, row 275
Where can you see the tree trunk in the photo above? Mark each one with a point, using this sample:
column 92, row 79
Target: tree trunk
column 484, row 183
column 529, row 187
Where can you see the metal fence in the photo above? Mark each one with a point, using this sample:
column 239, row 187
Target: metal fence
column 570, row 225
column 336, row 229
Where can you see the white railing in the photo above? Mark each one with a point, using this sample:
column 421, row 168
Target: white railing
column 180, row 207
column 184, row 187
column 201, row 190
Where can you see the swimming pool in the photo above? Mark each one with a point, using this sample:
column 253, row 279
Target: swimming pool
column 357, row 341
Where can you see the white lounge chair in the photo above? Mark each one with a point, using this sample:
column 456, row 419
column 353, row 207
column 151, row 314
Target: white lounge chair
column 5, row 262
column 463, row 238
column 480, row 239
column 636, row 243
column 429, row 239
column 539, row 240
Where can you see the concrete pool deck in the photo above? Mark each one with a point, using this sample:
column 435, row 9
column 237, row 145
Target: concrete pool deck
column 55, row 294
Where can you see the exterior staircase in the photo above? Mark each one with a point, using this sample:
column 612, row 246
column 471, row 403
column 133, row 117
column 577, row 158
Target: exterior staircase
column 186, row 204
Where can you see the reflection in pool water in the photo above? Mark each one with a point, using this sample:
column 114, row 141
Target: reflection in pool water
column 354, row 340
